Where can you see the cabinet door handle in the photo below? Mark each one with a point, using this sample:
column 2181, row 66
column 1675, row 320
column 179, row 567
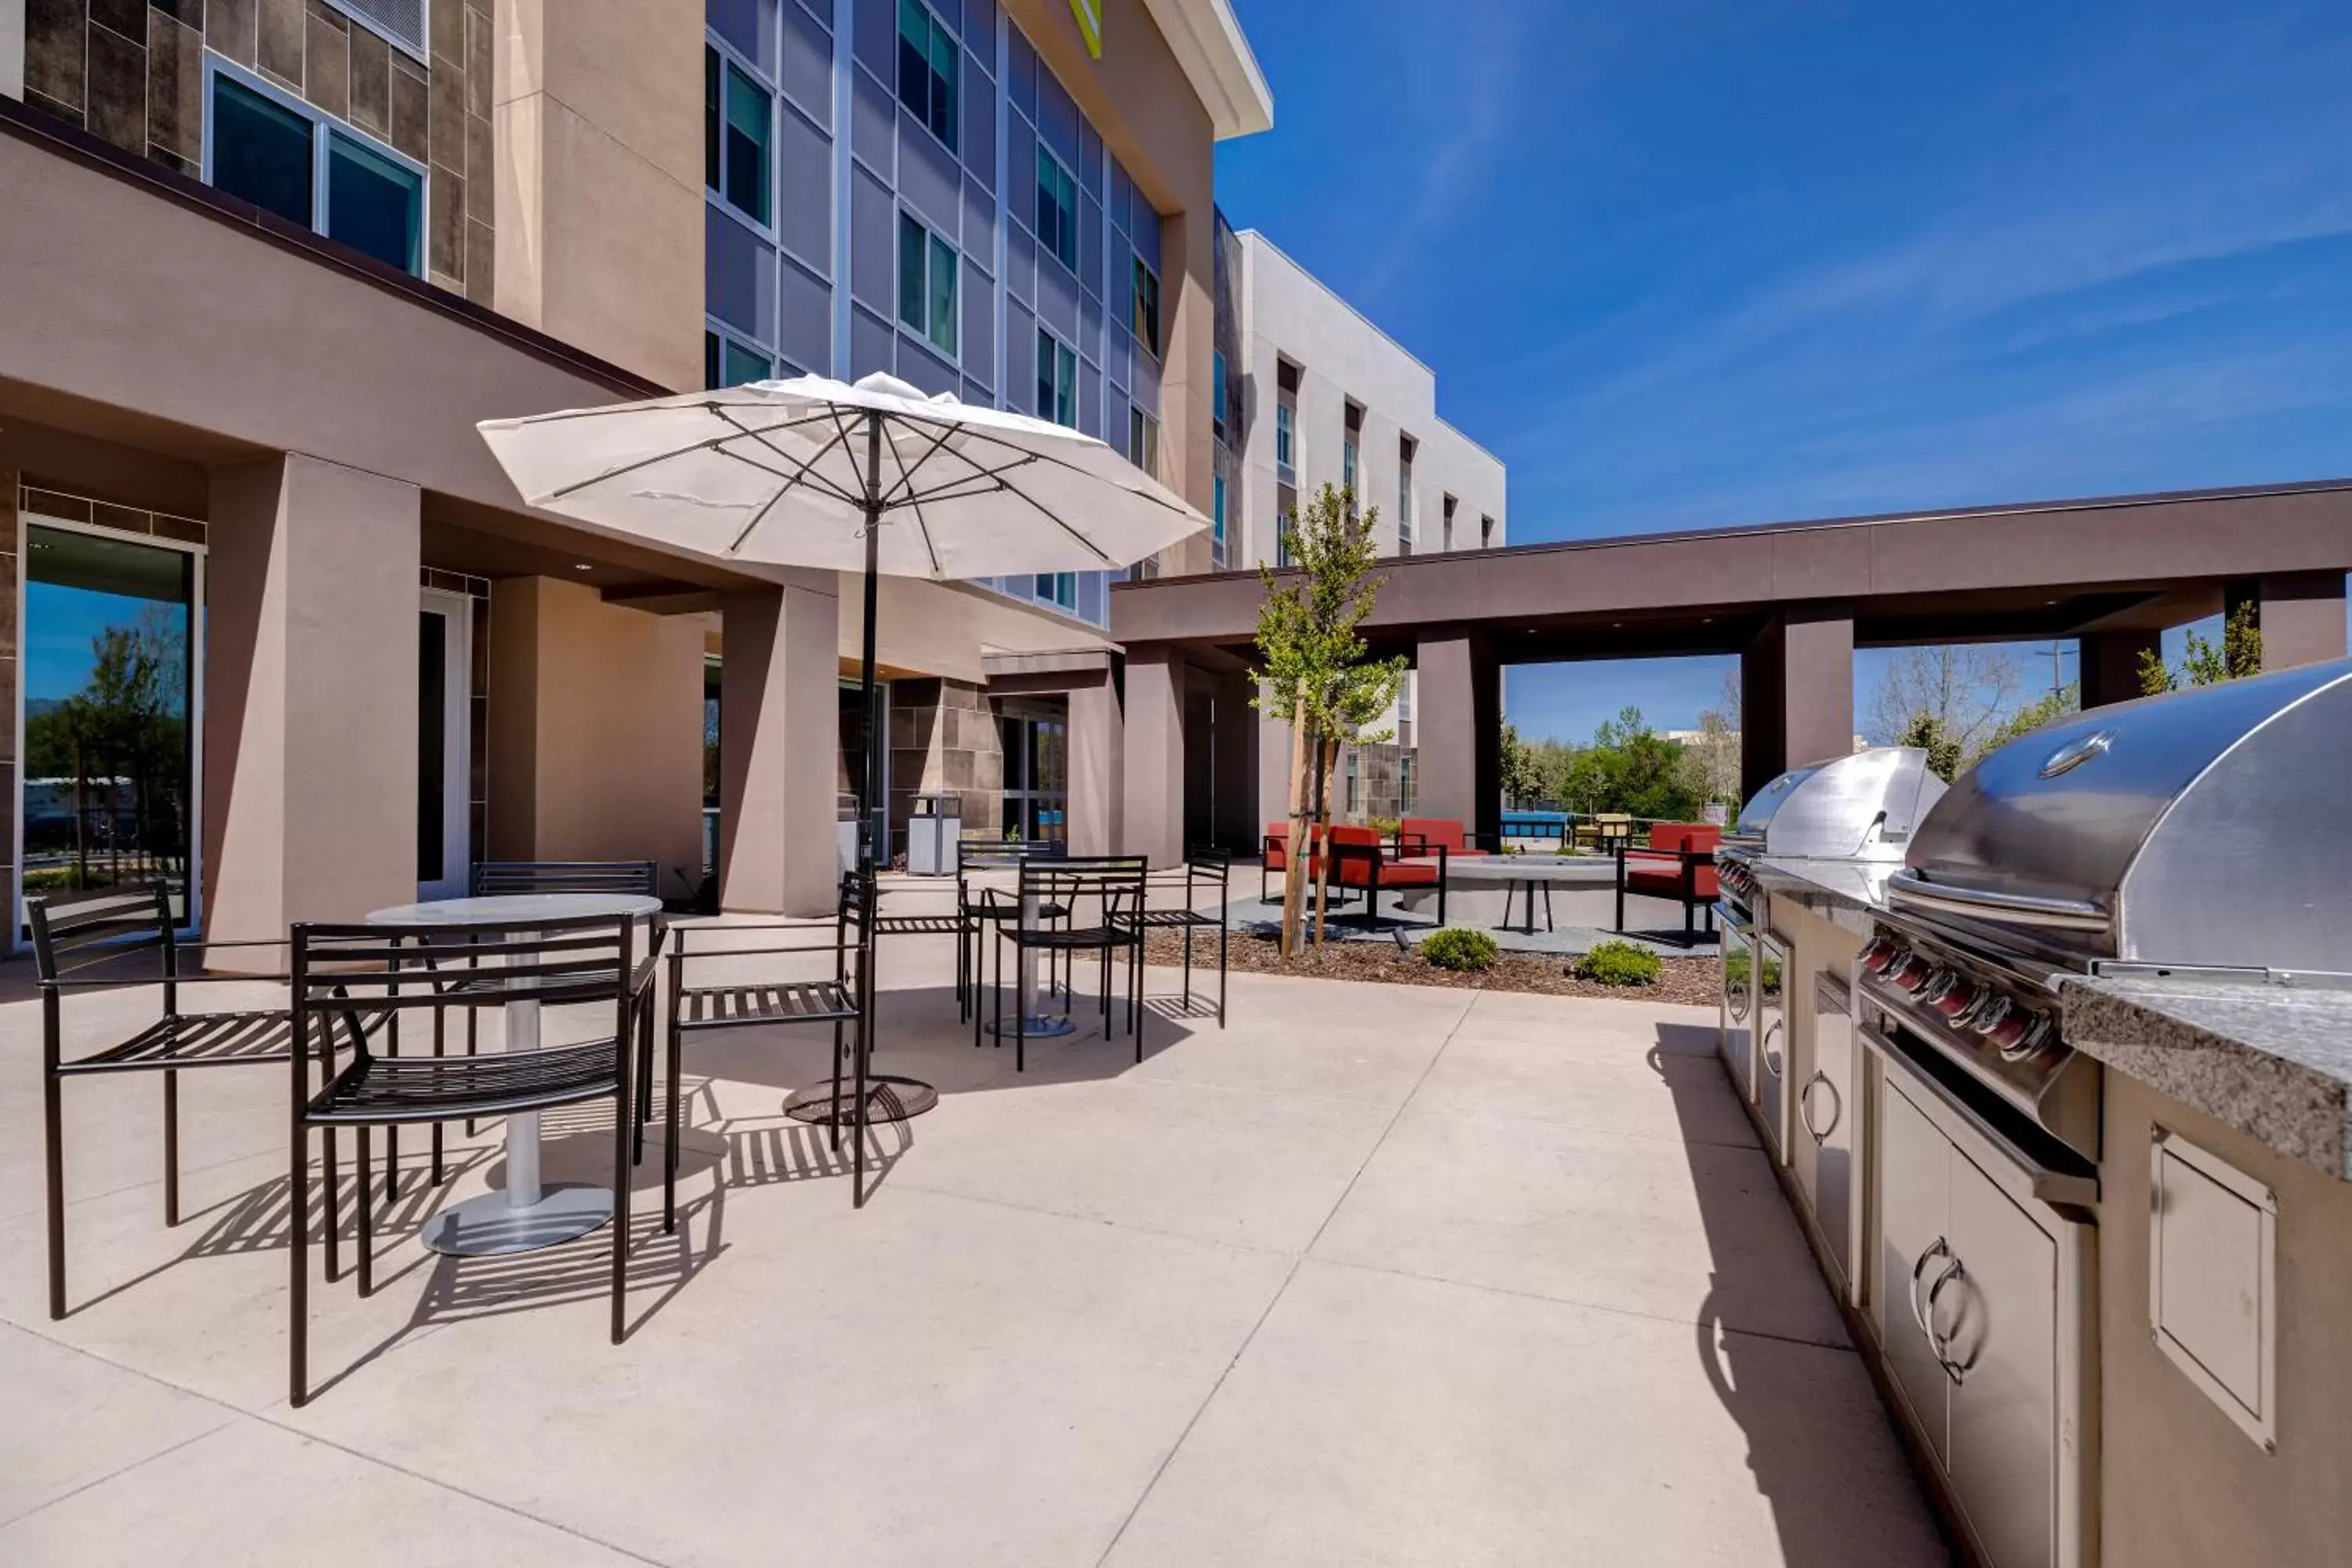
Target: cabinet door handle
column 1936, row 1340
column 1805, row 1105
column 1771, row 1061
column 1937, row 1247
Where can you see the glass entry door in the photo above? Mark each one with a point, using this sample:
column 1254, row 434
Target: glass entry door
column 445, row 664
column 108, row 793
column 1036, row 776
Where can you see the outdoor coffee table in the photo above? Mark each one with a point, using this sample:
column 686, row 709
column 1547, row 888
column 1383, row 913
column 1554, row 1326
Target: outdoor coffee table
column 1530, row 872
column 530, row 1214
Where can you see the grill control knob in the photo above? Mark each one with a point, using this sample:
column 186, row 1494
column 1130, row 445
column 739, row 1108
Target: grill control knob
column 2020, row 1034
column 1910, row 974
column 1880, row 955
column 1954, row 996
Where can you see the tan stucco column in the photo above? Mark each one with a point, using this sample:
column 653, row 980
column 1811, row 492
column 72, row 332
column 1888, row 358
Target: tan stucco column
column 779, row 741
column 1097, row 767
column 1459, row 731
column 1155, row 756
column 311, row 627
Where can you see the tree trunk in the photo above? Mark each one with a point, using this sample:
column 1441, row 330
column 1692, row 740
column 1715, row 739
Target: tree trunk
column 1294, row 871
column 1325, row 766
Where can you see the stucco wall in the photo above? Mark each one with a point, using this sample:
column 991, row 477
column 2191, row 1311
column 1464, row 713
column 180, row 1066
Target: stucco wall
column 595, row 729
column 2182, row 1487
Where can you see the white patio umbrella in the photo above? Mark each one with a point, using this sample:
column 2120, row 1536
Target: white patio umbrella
column 872, row 477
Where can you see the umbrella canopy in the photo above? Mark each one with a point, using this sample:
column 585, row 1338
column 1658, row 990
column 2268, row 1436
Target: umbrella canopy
column 788, row 472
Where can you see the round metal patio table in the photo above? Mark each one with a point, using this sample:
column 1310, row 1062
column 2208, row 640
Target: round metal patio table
column 530, row 1214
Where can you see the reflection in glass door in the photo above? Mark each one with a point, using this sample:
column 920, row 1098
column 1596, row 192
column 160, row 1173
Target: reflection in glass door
column 444, row 677
column 108, row 792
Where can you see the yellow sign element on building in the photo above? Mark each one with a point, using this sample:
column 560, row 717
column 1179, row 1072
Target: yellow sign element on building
column 1089, row 15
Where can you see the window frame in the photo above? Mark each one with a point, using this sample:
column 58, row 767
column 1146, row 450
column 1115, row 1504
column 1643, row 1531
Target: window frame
column 1285, row 437
column 325, row 128
column 1062, row 353
column 1143, row 431
column 937, row 29
column 934, row 245
column 730, row 56
column 718, row 334
column 1141, row 273
column 1217, row 520
column 1069, row 213
column 1217, row 400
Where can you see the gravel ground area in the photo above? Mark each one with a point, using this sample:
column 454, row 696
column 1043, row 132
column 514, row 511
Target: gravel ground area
column 1687, row 980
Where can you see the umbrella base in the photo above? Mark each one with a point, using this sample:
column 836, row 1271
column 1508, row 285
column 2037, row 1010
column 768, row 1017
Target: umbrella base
column 887, row 1099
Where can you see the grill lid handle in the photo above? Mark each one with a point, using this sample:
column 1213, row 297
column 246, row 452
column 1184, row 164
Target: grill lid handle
column 1909, row 889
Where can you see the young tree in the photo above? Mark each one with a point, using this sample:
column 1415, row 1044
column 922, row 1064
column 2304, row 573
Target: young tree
column 1945, row 754
column 2238, row 654
column 2052, row 707
column 1315, row 667
column 1522, row 775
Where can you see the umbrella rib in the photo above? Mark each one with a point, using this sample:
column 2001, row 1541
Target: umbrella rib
column 801, row 470
column 907, row 479
column 806, row 465
column 1050, row 515
column 708, row 444
column 1038, row 457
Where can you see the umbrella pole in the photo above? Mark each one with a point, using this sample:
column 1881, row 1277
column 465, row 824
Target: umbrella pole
column 874, row 1097
column 878, row 809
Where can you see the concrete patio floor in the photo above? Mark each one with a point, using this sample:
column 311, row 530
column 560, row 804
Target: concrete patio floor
column 1377, row 1275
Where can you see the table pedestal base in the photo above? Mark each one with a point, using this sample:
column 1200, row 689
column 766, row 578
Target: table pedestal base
column 490, row 1227
column 887, row 1099
column 1040, row 1026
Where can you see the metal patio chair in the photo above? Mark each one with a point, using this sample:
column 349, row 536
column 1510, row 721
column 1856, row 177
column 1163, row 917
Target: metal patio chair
column 1204, row 869
column 348, row 978
column 976, row 914
column 844, row 999
column 1060, row 892
column 112, row 941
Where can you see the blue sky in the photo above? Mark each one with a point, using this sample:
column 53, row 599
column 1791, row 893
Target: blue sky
column 1686, row 265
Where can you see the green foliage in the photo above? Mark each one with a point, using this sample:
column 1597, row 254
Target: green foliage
column 1632, row 769
column 1522, row 780
column 1620, row 963
column 1386, row 827
column 2238, row 654
column 1736, row 964
column 2039, row 715
column 1458, row 947
column 1944, row 755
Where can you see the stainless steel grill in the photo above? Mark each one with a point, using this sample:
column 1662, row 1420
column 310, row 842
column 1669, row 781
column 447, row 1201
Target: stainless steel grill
column 2202, row 829
column 2198, row 831
column 1865, row 806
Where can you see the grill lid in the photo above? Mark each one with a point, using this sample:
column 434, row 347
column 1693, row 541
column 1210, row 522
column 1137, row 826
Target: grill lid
column 1864, row 806
column 2203, row 828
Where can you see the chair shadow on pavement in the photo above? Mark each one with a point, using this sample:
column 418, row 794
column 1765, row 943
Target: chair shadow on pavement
column 1830, row 1511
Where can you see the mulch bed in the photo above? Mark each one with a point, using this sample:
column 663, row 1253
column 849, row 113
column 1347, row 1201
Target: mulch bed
column 1692, row 980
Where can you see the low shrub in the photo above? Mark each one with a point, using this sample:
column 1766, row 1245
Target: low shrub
column 1620, row 963
column 1457, row 947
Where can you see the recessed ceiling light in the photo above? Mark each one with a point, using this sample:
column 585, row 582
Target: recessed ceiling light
column 583, row 566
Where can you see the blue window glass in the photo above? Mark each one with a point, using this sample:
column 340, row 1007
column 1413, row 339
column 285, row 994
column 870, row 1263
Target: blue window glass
column 743, row 365
column 1217, row 517
column 262, row 151
column 373, row 204
column 1057, row 209
column 927, row 69
column 745, row 176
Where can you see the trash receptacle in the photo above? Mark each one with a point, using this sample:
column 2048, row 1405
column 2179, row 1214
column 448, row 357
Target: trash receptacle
column 846, row 831
column 932, row 835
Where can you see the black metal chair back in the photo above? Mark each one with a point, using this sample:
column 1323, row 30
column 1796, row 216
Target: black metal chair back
column 86, row 933
column 343, row 970
column 1108, row 887
column 493, row 878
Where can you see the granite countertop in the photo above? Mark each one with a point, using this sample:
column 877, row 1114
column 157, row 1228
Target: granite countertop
column 2274, row 1061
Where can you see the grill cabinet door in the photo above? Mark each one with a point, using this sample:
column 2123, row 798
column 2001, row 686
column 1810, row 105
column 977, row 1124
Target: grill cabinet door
column 1826, row 1114
column 1915, row 1180
column 1770, row 974
column 1999, row 1318
column 1737, row 1015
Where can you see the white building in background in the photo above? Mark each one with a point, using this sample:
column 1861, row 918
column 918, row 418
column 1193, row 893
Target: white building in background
column 1325, row 397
